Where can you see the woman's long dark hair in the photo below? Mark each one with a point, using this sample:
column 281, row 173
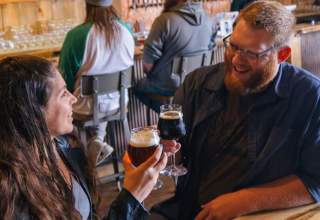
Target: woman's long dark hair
column 30, row 180
column 105, row 20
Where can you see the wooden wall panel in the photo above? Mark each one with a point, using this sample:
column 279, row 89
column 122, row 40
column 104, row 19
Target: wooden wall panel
column 29, row 11
column 62, row 10
column 24, row 12
column 10, row 15
column 45, row 11
column 150, row 13
column 310, row 52
column 79, row 10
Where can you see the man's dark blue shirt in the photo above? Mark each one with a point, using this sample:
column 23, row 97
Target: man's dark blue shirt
column 283, row 130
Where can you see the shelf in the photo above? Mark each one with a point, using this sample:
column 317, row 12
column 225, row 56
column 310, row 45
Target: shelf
column 43, row 52
column 3, row 2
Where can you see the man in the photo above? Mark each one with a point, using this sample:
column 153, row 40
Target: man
column 182, row 28
column 253, row 135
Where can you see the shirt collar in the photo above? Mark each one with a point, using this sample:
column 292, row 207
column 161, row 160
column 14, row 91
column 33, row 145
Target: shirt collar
column 282, row 83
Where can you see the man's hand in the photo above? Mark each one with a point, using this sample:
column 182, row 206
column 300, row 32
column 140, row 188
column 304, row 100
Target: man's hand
column 283, row 193
column 139, row 181
column 225, row 207
column 170, row 146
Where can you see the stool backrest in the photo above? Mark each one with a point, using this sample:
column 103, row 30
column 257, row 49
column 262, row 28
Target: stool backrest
column 183, row 65
column 95, row 85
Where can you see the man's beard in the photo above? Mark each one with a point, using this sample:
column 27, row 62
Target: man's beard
column 169, row 4
column 257, row 81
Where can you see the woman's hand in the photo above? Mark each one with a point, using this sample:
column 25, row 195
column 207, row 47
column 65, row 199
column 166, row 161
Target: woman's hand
column 139, row 181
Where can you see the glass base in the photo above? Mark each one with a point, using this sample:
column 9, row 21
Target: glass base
column 179, row 170
column 174, row 171
column 158, row 184
column 166, row 171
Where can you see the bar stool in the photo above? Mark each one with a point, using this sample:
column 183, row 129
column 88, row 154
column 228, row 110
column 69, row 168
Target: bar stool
column 181, row 66
column 95, row 85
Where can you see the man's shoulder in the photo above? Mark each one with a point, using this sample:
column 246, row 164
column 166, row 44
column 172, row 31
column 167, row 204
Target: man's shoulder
column 170, row 16
column 300, row 76
column 167, row 16
column 207, row 75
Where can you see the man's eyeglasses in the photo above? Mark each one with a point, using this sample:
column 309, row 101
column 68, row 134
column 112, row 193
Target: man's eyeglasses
column 243, row 52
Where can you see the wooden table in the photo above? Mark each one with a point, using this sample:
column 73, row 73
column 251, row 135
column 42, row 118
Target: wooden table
column 309, row 212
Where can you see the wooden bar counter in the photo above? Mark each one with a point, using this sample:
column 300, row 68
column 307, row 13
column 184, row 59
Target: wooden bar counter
column 307, row 212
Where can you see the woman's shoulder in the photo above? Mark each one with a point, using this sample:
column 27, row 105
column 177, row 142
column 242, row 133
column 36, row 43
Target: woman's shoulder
column 62, row 142
column 124, row 25
column 82, row 28
column 68, row 141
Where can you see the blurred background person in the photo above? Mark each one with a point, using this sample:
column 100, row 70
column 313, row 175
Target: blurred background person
column 182, row 28
column 237, row 5
column 41, row 175
column 102, row 44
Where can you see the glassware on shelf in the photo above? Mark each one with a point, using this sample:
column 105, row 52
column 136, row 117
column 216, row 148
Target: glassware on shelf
column 40, row 35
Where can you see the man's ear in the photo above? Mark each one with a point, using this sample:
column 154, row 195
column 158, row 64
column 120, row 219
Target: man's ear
column 283, row 54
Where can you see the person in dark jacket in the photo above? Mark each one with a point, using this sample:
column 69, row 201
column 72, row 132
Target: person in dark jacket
column 253, row 128
column 41, row 175
column 182, row 28
column 237, row 5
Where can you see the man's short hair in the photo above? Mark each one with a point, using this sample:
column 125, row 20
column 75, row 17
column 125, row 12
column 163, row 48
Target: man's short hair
column 271, row 16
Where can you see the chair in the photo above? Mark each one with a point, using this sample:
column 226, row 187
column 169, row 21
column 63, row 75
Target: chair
column 95, row 85
column 182, row 66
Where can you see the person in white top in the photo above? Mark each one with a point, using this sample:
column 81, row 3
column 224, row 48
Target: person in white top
column 102, row 44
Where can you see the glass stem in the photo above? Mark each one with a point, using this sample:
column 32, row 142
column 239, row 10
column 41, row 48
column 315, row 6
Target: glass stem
column 173, row 160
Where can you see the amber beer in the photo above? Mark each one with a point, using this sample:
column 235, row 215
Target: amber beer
column 143, row 143
column 171, row 125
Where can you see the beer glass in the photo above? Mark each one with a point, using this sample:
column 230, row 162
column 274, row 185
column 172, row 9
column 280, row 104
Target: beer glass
column 142, row 145
column 171, row 127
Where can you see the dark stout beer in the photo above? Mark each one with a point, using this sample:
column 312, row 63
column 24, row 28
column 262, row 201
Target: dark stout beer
column 143, row 143
column 171, row 125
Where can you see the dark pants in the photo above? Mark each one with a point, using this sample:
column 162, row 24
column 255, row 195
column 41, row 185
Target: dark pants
column 142, row 88
column 167, row 210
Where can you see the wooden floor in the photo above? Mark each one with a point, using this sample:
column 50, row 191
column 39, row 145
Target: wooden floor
column 109, row 191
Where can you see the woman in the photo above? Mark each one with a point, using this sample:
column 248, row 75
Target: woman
column 102, row 44
column 41, row 176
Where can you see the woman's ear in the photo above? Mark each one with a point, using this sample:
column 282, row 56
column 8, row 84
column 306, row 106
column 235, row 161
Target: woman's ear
column 283, row 54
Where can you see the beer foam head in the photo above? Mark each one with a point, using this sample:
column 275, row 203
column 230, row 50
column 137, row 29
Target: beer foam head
column 144, row 138
column 171, row 115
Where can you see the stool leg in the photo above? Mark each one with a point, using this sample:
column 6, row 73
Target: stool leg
column 114, row 155
column 148, row 111
column 83, row 137
column 126, row 129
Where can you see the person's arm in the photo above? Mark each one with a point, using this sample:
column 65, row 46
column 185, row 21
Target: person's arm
column 72, row 53
column 126, row 206
column 286, row 192
column 147, row 67
column 153, row 46
column 138, row 184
